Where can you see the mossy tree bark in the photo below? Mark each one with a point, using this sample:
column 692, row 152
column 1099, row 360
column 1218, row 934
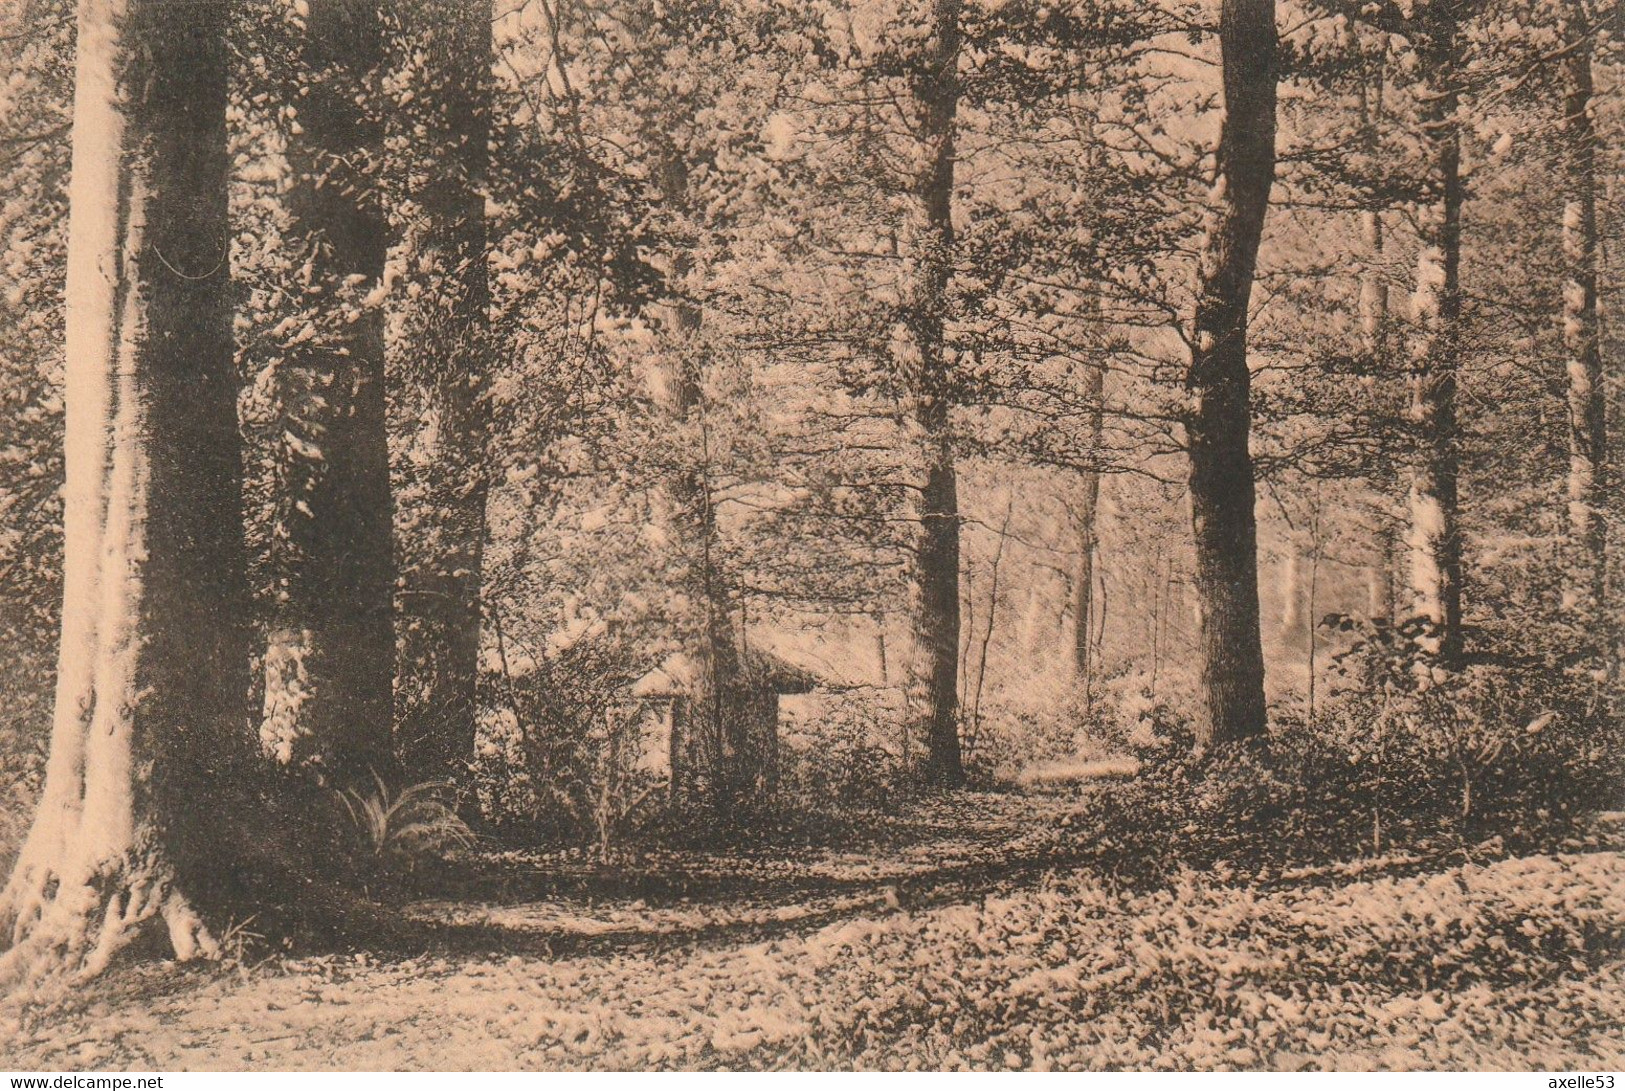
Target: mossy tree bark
column 445, row 352
column 330, row 656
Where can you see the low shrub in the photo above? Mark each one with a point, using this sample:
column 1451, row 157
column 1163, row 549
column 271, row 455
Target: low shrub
column 1408, row 756
column 560, row 755
column 848, row 755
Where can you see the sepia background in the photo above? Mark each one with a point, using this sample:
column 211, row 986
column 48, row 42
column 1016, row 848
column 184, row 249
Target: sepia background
column 846, row 533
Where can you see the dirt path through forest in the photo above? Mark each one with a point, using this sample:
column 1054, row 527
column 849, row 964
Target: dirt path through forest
column 1515, row 963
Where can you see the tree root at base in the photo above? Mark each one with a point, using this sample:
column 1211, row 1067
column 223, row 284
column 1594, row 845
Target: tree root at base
column 73, row 930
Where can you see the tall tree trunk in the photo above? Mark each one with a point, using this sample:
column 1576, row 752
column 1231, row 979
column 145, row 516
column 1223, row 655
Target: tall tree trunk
column 445, row 349
column 1379, row 578
column 1087, row 516
column 1373, row 290
column 1588, row 470
column 1220, row 419
column 330, row 656
column 1374, row 314
column 1373, row 277
column 152, row 684
column 716, row 748
column 932, row 685
column 1435, row 541
column 1374, row 338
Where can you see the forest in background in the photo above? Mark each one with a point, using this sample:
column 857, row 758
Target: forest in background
column 610, row 425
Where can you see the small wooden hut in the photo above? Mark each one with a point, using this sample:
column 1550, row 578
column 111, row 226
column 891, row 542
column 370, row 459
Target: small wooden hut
column 735, row 760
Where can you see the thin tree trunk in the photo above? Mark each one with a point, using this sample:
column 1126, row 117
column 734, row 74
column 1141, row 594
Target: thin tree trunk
column 1083, row 596
column 1588, row 470
column 1373, row 278
column 987, row 630
column 1378, row 584
column 1373, row 289
column 1087, row 514
column 1220, row 419
column 1435, row 542
column 152, row 685
column 1313, row 590
column 1374, row 317
column 880, row 650
column 447, row 343
column 1157, row 585
column 967, row 626
column 1375, row 304
column 1291, row 593
column 1102, row 602
column 933, row 682
column 330, row 656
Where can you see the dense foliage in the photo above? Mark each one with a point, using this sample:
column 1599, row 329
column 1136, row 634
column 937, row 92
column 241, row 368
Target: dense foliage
column 686, row 406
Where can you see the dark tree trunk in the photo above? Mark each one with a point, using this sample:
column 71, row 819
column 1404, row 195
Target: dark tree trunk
column 446, row 354
column 133, row 832
column 1220, row 418
column 1087, row 516
column 1588, row 447
column 1435, row 541
column 330, row 656
column 933, row 683
column 933, row 667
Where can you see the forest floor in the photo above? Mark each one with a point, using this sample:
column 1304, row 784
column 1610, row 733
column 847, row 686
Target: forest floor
column 978, row 930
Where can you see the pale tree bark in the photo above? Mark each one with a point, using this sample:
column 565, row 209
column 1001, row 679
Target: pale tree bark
column 713, row 770
column 1374, row 306
column 1435, row 536
column 1291, row 593
column 932, row 682
column 445, row 352
column 1373, row 288
column 1588, row 448
column 1373, row 278
column 1219, row 422
column 152, row 685
column 714, row 746
column 1374, row 338
column 330, row 655
column 1379, row 589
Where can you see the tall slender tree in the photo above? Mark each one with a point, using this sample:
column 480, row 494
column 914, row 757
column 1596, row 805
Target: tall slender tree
column 708, row 748
column 932, row 682
column 330, row 655
column 443, row 344
column 1374, row 305
column 151, row 702
column 1087, row 514
column 1588, row 439
column 1435, row 534
column 1219, row 421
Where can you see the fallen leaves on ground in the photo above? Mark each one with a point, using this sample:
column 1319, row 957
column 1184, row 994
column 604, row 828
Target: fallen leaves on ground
column 1512, row 964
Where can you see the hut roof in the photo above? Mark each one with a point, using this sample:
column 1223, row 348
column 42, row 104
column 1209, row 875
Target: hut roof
column 679, row 675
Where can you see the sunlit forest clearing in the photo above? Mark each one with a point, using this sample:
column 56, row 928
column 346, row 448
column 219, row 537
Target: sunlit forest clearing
column 883, row 534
